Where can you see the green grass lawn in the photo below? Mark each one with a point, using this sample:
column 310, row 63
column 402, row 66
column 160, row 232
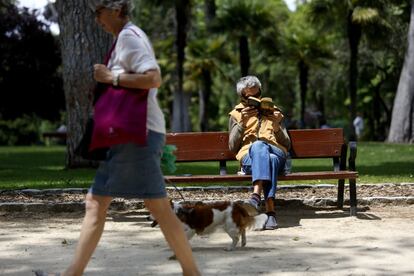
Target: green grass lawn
column 43, row 167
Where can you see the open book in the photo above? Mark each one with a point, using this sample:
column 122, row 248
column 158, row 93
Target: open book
column 264, row 105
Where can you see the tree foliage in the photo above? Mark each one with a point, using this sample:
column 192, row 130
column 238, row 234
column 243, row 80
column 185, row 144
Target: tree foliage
column 354, row 19
column 30, row 80
column 350, row 61
column 278, row 42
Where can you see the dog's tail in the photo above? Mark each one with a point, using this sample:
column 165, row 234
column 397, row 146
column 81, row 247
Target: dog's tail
column 250, row 217
column 259, row 222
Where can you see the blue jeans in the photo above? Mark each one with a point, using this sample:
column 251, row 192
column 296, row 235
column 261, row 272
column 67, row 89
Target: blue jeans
column 264, row 162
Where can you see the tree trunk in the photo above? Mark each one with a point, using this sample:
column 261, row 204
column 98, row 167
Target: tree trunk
column 354, row 37
column 207, row 82
column 320, row 99
column 82, row 45
column 210, row 11
column 303, row 81
column 402, row 122
column 378, row 135
column 385, row 123
column 244, row 55
column 181, row 118
column 204, row 96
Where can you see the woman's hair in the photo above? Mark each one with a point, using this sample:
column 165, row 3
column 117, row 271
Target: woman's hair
column 247, row 82
column 126, row 6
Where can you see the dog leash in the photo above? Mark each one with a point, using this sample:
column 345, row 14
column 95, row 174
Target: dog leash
column 155, row 223
column 176, row 188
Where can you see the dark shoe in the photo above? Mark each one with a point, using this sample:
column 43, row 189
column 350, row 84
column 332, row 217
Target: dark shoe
column 40, row 272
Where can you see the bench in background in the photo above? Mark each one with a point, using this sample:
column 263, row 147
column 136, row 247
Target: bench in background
column 54, row 135
column 307, row 143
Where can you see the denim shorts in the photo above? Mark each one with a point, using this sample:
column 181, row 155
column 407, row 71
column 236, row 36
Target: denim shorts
column 132, row 171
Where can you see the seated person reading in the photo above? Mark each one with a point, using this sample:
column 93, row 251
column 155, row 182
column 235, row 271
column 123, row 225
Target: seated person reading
column 260, row 141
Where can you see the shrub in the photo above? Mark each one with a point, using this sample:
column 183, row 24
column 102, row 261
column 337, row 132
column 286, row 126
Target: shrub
column 26, row 130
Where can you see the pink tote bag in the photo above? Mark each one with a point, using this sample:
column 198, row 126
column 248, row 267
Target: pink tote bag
column 120, row 117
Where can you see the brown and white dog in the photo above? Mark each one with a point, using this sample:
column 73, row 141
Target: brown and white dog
column 204, row 218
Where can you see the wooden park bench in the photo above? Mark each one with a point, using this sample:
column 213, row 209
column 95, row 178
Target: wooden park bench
column 54, row 134
column 307, row 143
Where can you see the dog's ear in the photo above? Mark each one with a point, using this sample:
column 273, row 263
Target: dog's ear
column 183, row 211
column 182, row 214
column 191, row 212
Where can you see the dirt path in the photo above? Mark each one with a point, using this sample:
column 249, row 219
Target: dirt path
column 380, row 241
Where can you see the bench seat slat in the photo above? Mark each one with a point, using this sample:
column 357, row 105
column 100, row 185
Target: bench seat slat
column 292, row 176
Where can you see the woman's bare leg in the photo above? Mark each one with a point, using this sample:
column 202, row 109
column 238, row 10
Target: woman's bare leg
column 91, row 231
column 173, row 232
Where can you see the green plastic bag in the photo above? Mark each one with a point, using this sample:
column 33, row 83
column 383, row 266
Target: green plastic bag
column 168, row 158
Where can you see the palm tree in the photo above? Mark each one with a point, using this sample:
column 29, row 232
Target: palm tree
column 307, row 49
column 204, row 58
column 181, row 119
column 243, row 19
column 180, row 115
column 354, row 18
column 203, row 54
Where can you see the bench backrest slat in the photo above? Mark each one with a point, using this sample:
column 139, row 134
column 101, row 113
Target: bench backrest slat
column 201, row 146
column 212, row 146
column 313, row 143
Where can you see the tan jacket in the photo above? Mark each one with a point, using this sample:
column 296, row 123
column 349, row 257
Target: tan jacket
column 270, row 131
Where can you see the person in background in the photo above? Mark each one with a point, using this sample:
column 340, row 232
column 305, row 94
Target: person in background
column 130, row 170
column 261, row 143
column 323, row 124
column 358, row 125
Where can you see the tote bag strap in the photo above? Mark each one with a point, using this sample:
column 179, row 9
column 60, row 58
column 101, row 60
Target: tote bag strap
column 100, row 87
column 108, row 55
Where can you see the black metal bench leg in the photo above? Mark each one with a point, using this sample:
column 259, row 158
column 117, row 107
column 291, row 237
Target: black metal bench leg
column 340, row 200
column 352, row 197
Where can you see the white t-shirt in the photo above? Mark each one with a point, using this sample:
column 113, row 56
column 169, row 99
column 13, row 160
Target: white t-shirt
column 134, row 53
column 358, row 125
